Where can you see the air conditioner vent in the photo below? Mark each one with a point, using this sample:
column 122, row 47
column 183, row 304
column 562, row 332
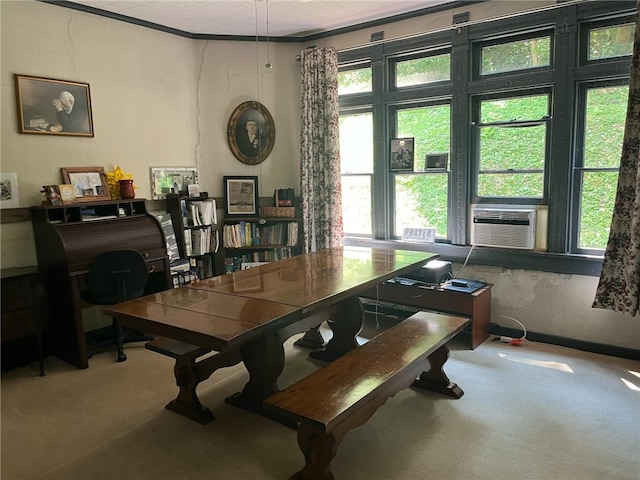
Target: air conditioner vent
column 506, row 226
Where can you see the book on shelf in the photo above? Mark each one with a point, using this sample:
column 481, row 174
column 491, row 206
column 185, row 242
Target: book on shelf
column 169, row 235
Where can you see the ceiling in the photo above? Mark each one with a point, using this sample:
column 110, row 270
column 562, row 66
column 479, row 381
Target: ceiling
column 274, row 18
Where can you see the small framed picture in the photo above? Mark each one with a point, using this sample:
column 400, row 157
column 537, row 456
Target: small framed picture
column 9, row 186
column 51, row 195
column 67, row 194
column 436, row 161
column 89, row 183
column 401, row 155
column 241, row 196
column 53, row 107
column 177, row 180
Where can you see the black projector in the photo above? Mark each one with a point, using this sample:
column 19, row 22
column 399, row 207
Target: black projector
column 435, row 271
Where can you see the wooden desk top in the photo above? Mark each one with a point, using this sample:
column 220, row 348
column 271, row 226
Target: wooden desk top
column 229, row 310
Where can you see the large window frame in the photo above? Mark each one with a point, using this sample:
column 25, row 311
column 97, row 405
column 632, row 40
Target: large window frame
column 567, row 26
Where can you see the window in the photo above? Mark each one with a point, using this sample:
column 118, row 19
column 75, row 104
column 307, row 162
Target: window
column 355, row 80
column 356, row 168
column 419, row 71
column 515, row 55
column 421, row 198
column 603, row 112
column 608, row 42
column 512, row 146
column 517, row 112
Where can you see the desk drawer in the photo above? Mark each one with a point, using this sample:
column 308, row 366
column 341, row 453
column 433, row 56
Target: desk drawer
column 18, row 323
column 17, row 293
column 441, row 300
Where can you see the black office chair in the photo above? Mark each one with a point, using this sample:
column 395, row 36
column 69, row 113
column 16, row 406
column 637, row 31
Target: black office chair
column 114, row 277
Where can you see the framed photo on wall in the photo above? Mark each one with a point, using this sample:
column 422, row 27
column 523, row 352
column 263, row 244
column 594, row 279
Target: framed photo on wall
column 241, row 196
column 9, row 197
column 251, row 133
column 401, row 155
column 53, row 107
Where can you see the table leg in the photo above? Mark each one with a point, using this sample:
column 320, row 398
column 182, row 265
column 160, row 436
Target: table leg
column 345, row 320
column 435, row 379
column 189, row 374
column 264, row 360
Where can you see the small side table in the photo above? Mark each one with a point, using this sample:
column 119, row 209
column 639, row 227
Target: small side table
column 476, row 305
column 24, row 305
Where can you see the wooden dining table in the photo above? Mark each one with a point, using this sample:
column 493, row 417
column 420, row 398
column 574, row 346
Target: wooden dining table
column 254, row 311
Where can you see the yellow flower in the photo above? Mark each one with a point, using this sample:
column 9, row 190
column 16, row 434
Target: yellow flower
column 112, row 180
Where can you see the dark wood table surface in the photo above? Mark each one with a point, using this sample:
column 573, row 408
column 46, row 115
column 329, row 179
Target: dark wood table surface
column 257, row 309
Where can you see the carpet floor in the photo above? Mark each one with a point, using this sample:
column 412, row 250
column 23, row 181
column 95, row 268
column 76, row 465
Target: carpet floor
column 537, row 411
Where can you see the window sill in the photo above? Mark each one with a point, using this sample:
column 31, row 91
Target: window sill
column 589, row 265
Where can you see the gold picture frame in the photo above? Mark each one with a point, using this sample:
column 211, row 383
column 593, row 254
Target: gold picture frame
column 90, row 183
column 53, row 107
column 251, row 133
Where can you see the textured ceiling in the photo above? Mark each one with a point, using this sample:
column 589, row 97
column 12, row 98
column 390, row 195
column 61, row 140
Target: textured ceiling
column 276, row 18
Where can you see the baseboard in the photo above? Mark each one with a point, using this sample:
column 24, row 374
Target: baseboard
column 593, row 347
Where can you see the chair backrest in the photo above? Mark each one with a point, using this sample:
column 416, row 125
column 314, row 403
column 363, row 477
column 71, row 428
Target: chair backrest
column 117, row 276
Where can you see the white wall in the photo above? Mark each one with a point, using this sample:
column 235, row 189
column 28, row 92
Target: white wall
column 160, row 100
column 157, row 100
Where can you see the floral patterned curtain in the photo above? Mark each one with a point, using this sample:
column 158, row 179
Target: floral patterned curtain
column 320, row 186
column 620, row 278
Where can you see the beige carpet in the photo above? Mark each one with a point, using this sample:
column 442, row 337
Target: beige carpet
column 531, row 412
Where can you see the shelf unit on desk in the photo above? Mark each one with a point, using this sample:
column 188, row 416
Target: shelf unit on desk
column 476, row 305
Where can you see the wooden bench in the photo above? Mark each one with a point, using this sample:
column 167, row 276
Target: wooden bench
column 189, row 373
column 346, row 393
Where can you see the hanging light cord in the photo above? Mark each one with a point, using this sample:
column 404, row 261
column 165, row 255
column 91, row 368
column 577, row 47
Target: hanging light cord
column 268, row 64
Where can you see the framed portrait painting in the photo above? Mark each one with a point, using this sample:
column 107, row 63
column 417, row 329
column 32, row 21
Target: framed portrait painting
column 401, row 155
column 53, row 107
column 241, row 196
column 251, row 133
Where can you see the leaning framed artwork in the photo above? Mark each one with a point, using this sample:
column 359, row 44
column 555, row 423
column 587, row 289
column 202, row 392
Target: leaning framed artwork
column 53, row 107
column 401, row 155
column 89, row 183
column 165, row 180
column 9, row 197
column 251, row 133
column 241, row 196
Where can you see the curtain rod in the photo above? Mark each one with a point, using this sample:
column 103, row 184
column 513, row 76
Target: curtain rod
column 464, row 24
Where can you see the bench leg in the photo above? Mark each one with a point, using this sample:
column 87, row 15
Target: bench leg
column 346, row 320
column 435, row 379
column 318, row 448
column 189, row 374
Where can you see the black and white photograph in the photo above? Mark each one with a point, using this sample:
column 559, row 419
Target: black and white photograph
column 401, row 155
column 241, row 196
column 251, row 133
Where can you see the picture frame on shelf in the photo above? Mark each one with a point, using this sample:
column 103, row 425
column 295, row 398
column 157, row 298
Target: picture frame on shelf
column 251, row 133
column 89, row 183
column 401, row 154
column 67, row 194
column 51, row 195
column 9, row 197
column 436, row 161
column 166, row 180
column 241, row 196
column 47, row 106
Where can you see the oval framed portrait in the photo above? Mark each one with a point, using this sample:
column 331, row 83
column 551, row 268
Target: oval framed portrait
column 251, row 133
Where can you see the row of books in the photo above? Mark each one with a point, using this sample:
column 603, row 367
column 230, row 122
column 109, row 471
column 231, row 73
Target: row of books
column 201, row 240
column 234, row 262
column 198, row 212
column 246, row 234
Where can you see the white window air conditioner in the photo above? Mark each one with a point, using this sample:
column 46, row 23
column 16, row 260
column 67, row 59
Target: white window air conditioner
column 506, row 226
